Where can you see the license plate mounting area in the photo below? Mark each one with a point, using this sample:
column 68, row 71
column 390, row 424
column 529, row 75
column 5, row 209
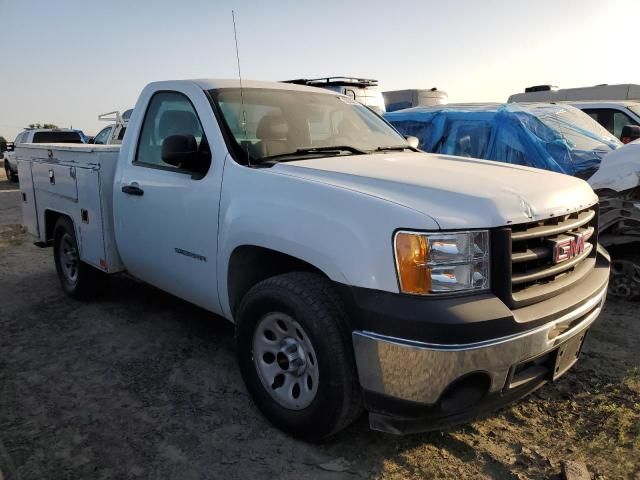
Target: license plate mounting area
column 567, row 354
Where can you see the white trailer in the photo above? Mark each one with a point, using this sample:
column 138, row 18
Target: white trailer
column 401, row 99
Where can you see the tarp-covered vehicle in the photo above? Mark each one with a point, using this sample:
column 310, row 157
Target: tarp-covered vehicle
column 555, row 137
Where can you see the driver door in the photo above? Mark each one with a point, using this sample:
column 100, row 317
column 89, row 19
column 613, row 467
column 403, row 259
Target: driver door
column 167, row 216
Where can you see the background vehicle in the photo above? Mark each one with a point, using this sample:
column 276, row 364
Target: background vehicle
column 114, row 133
column 617, row 183
column 550, row 93
column 83, row 136
column 362, row 90
column 613, row 116
column 613, row 106
column 401, row 99
column 554, row 137
column 39, row 135
column 358, row 271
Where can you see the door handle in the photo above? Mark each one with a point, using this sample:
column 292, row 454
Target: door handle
column 133, row 189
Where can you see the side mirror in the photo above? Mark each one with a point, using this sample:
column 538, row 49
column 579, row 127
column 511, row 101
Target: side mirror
column 630, row 133
column 91, row 140
column 412, row 141
column 179, row 149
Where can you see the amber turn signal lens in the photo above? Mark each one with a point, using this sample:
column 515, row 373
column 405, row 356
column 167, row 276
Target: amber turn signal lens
column 412, row 255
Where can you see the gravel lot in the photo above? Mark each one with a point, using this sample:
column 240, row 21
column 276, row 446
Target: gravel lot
column 140, row 384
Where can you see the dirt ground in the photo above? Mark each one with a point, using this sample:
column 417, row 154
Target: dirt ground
column 140, row 384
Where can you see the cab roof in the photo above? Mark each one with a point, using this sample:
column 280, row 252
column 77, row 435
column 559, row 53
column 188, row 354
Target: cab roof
column 218, row 83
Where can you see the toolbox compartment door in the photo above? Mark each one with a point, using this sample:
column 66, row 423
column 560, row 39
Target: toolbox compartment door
column 56, row 179
column 88, row 219
column 28, row 199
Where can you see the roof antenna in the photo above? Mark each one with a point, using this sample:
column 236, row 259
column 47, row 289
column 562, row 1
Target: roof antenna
column 244, row 114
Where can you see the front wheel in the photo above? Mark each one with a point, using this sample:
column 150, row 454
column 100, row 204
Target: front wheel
column 296, row 357
column 78, row 280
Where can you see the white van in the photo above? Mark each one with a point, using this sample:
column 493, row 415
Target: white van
column 550, row 93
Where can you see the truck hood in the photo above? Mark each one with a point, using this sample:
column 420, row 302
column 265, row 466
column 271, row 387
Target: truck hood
column 455, row 192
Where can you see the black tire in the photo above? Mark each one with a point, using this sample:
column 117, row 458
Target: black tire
column 87, row 282
column 310, row 299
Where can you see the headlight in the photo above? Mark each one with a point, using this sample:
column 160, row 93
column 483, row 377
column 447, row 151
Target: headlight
column 442, row 262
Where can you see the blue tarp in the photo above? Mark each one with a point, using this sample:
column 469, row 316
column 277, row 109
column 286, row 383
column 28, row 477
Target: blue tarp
column 553, row 137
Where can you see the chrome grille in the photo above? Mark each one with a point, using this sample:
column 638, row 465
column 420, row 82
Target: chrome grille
column 539, row 267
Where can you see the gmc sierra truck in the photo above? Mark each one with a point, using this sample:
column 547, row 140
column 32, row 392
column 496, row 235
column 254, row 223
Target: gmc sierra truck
column 359, row 272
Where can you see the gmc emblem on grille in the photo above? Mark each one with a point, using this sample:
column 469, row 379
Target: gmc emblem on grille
column 570, row 245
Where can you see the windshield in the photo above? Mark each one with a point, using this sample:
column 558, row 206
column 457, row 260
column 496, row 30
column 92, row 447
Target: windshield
column 579, row 130
column 279, row 125
column 635, row 109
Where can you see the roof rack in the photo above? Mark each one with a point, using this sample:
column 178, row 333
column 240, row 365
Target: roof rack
column 541, row 88
column 335, row 82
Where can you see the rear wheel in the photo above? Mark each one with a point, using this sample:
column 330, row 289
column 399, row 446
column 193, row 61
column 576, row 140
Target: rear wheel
column 78, row 280
column 11, row 177
column 296, row 357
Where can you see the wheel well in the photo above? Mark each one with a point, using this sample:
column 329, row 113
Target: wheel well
column 250, row 264
column 50, row 219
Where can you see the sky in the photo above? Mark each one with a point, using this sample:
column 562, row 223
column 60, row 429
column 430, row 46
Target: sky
column 67, row 61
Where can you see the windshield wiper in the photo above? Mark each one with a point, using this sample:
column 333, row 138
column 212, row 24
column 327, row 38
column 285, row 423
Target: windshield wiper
column 332, row 149
column 391, row 148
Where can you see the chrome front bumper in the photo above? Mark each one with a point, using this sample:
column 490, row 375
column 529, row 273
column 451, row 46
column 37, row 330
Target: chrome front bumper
column 421, row 372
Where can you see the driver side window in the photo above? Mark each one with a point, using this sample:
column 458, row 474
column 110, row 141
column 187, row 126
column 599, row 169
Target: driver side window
column 171, row 115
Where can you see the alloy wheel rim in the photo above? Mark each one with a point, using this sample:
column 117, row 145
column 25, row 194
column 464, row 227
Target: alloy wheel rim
column 285, row 360
column 68, row 255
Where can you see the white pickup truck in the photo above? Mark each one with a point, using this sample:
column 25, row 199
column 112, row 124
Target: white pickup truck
column 359, row 272
column 37, row 135
column 113, row 133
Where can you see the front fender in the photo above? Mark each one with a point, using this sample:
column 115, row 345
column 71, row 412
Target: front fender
column 344, row 233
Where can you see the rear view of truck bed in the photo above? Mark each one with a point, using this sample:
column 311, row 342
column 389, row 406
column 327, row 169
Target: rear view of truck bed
column 73, row 180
